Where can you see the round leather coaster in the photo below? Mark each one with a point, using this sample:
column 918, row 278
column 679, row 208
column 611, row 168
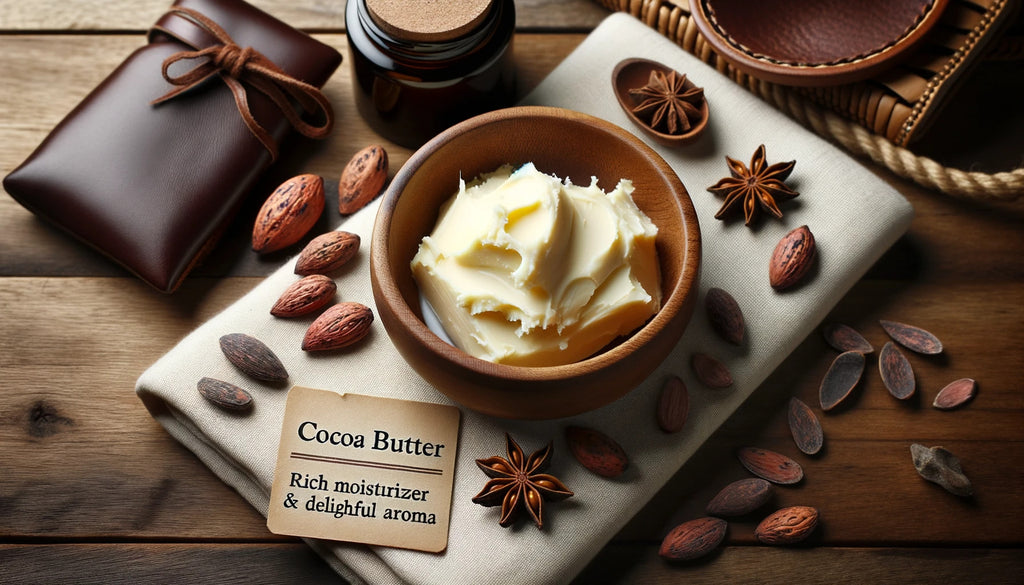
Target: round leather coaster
column 826, row 42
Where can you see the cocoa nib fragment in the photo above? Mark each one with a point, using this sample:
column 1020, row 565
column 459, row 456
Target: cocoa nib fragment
column 938, row 465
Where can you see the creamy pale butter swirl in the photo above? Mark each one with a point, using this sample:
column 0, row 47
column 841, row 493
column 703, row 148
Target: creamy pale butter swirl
column 525, row 269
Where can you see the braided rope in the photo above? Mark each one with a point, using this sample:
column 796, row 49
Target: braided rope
column 1001, row 186
column 671, row 18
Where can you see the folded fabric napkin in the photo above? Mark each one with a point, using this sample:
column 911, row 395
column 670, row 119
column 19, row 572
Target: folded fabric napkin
column 834, row 191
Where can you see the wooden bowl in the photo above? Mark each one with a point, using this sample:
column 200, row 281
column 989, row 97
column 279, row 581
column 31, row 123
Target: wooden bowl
column 566, row 144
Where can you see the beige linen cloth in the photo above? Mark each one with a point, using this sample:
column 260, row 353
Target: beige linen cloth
column 854, row 216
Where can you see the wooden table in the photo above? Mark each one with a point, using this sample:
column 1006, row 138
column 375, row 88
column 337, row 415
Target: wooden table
column 93, row 490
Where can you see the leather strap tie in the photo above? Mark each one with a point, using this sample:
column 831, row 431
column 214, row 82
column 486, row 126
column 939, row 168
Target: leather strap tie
column 236, row 66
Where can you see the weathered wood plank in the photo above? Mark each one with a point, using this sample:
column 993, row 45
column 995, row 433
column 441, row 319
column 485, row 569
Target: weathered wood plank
column 82, row 458
column 134, row 15
column 811, row 566
column 164, row 563
column 863, row 481
column 626, row 563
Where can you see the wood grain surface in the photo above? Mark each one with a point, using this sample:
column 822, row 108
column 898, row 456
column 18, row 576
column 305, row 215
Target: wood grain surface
column 93, row 490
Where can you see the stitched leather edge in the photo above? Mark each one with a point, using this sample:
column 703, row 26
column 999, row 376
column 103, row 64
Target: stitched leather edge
column 674, row 19
column 936, row 83
column 713, row 20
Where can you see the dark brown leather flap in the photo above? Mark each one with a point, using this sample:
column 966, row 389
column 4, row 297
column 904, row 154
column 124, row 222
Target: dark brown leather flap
column 152, row 186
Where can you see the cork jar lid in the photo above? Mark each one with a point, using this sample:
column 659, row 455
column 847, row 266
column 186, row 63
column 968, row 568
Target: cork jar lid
column 428, row 20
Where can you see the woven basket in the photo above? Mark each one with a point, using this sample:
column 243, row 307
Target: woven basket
column 879, row 117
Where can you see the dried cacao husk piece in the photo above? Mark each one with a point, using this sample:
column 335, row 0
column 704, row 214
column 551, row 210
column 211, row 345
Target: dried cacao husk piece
column 897, row 373
column 913, row 338
column 805, row 427
column 845, row 338
column 956, row 394
column 769, row 465
column 938, row 465
column 842, row 377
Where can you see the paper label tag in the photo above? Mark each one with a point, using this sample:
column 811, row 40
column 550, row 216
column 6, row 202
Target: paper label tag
column 364, row 469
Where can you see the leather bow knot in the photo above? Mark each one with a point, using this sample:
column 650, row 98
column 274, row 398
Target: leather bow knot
column 232, row 59
column 236, row 65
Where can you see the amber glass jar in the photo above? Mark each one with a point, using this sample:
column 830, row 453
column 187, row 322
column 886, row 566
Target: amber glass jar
column 419, row 68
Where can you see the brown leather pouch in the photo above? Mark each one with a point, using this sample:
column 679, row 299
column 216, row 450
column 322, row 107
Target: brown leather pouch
column 152, row 186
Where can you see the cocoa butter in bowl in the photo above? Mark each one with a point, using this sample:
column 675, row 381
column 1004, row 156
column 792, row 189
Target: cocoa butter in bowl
column 569, row 145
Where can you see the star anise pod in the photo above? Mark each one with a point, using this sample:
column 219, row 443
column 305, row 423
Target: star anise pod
column 517, row 483
column 760, row 186
column 666, row 104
